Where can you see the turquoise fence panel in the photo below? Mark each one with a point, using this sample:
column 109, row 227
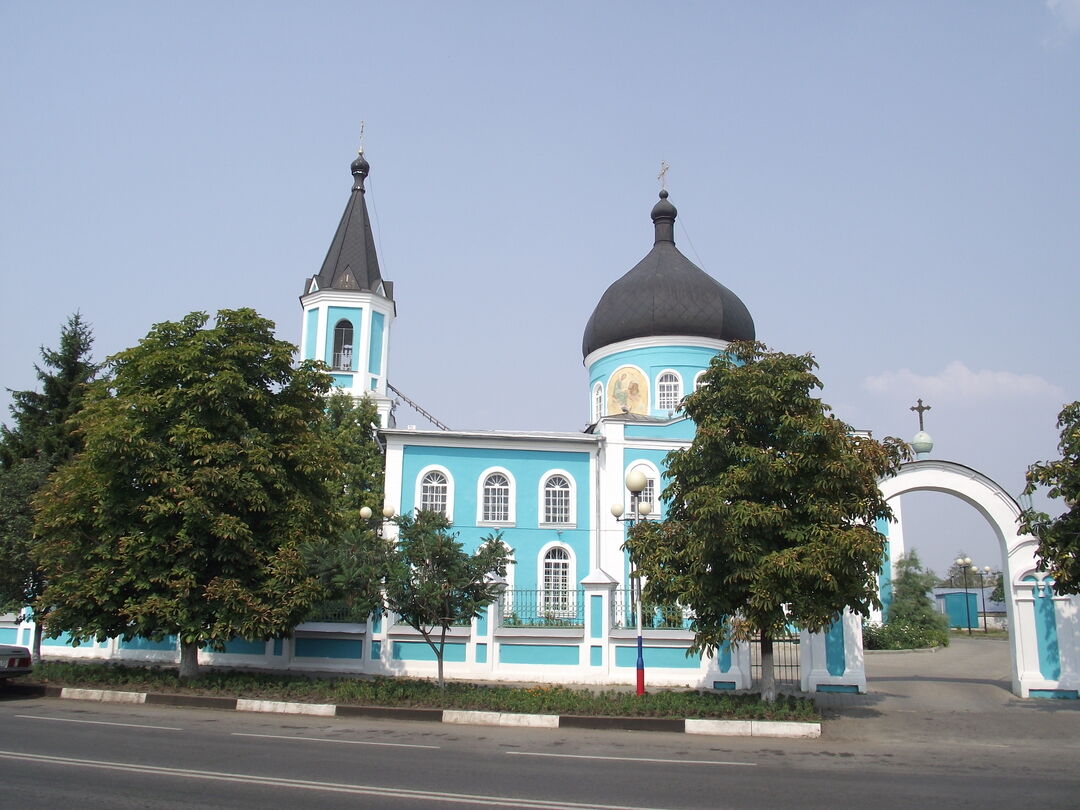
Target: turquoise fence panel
column 453, row 653
column 665, row 657
column 540, row 654
column 328, row 648
column 167, row 644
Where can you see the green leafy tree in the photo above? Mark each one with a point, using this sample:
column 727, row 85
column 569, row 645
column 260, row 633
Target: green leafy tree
column 911, row 603
column 350, row 563
column 20, row 578
column 998, row 592
column 39, row 439
column 204, row 470
column 771, row 509
column 433, row 583
column 351, row 426
column 1059, row 537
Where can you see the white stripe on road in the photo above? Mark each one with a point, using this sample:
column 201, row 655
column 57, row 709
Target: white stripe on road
column 303, row 784
column 329, row 740
column 95, row 722
column 631, row 759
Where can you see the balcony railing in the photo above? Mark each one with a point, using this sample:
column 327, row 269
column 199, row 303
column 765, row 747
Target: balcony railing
column 653, row 617
column 336, row 611
column 537, row 608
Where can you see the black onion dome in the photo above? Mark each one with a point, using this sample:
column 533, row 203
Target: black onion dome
column 666, row 294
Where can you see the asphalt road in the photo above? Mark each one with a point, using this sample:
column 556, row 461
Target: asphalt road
column 87, row 755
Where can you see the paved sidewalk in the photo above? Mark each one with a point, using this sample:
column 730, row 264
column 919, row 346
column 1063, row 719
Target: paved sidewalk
column 959, row 692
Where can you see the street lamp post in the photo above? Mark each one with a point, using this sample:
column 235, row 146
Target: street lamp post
column 965, row 565
column 639, row 510
column 982, row 590
column 387, row 513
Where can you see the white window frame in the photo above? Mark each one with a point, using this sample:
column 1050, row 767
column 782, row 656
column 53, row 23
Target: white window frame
column 652, row 474
column 338, row 352
column 541, row 503
column 419, row 486
column 571, row 579
column 598, row 401
column 697, row 380
column 512, row 507
column 660, row 404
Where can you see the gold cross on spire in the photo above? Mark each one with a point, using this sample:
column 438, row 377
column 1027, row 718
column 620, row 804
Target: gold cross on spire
column 361, row 151
column 662, row 177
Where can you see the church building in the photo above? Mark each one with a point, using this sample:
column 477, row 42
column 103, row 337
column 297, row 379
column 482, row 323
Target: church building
column 570, row 612
column 560, row 500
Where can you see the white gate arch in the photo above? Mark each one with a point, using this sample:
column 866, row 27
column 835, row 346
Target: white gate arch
column 1044, row 627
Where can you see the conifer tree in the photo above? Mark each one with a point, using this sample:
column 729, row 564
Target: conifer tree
column 39, row 439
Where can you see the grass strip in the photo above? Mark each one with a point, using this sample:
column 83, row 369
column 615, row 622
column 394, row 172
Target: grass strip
column 416, row 693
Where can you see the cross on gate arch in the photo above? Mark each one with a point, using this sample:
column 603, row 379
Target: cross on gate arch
column 1044, row 627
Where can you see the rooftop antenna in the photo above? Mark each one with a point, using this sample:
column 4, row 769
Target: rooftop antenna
column 662, row 177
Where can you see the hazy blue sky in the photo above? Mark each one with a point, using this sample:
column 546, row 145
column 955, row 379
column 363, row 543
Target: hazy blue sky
column 892, row 186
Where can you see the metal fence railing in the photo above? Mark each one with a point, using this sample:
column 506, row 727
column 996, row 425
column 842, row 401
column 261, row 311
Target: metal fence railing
column 653, row 617
column 336, row 611
column 785, row 660
column 538, row 608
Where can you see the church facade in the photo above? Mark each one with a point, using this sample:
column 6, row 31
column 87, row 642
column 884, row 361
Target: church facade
column 570, row 612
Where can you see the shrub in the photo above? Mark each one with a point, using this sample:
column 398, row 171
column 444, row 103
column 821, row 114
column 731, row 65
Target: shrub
column 901, row 635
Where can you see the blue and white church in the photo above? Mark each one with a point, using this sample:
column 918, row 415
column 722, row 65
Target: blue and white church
column 568, row 613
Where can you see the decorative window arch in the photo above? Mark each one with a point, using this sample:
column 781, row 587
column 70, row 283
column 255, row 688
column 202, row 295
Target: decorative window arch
column 435, row 491
column 668, row 391
column 651, row 493
column 495, row 497
column 698, row 382
column 343, row 345
column 597, row 401
column 557, row 578
column 558, row 500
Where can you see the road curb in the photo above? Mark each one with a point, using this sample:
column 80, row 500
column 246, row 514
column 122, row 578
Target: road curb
column 719, row 728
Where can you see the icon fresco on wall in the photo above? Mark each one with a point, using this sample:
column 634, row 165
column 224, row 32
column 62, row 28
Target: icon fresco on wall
column 628, row 392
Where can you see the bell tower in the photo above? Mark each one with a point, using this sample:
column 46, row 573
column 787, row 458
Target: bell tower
column 349, row 307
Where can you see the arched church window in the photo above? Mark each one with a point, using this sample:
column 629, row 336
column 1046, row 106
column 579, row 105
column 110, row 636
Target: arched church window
column 598, row 402
column 496, row 499
column 343, row 346
column 668, row 391
column 556, row 594
column 433, row 488
column 557, row 500
column 699, row 380
column 648, row 495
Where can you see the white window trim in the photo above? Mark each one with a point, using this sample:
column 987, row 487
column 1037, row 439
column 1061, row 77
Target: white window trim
column 652, row 472
column 572, row 523
column 512, row 520
column 679, row 394
column 598, row 401
column 697, row 380
column 449, row 488
column 571, row 580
